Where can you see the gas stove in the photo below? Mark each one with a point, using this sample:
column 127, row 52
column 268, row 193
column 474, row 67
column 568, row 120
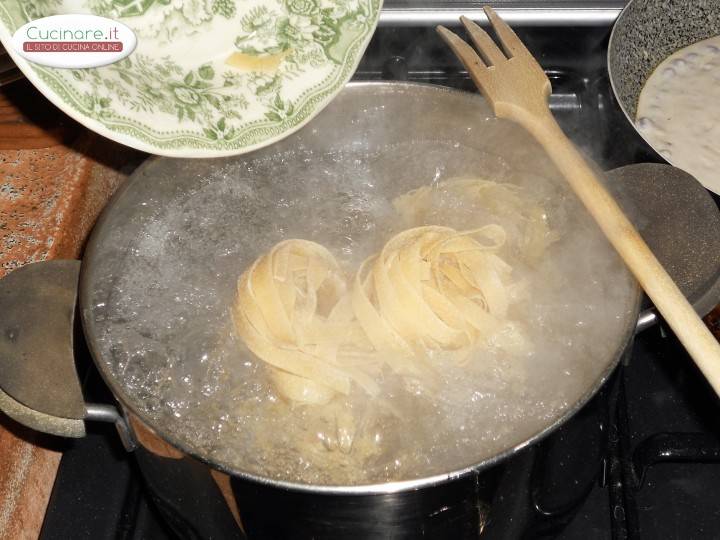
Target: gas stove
column 640, row 461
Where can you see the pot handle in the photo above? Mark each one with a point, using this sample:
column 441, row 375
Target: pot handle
column 649, row 317
column 646, row 319
column 39, row 385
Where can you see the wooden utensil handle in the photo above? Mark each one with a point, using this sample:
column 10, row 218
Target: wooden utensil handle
column 659, row 286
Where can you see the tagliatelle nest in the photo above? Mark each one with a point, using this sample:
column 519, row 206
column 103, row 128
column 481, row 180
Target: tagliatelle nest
column 293, row 312
column 431, row 288
column 533, row 234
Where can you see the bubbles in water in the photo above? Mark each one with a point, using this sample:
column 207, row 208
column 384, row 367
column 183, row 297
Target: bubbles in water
column 645, row 124
column 166, row 332
column 679, row 64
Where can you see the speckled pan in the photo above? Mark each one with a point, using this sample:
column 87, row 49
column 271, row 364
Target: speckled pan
column 646, row 33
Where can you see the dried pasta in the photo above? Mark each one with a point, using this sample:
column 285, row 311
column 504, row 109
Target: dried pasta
column 431, row 288
column 533, row 235
column 290, row 313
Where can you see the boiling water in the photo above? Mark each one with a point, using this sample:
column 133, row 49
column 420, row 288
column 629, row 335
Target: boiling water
column 162, row 317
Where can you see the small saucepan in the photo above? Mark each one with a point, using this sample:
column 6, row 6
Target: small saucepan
column 645, row 34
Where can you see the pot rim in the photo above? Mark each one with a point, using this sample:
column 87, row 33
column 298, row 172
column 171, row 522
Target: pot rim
column 360, row 489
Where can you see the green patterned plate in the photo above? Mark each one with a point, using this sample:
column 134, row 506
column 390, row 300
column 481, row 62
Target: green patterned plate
column 208, row 77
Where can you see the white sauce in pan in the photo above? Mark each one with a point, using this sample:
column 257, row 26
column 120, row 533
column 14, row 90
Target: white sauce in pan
column 679, row 111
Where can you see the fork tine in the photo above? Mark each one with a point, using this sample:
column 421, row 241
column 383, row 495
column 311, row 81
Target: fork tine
column 467, row 55
column 486, row 46
column 509, row 40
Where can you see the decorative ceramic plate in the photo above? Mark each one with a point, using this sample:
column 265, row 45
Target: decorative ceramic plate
column 208, row 77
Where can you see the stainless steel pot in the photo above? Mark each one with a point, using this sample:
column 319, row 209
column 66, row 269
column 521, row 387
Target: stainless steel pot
column 38, row 380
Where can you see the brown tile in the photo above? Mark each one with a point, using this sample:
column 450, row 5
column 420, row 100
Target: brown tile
column 49, row 200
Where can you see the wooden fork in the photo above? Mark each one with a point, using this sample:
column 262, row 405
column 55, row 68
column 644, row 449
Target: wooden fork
column 517, row 89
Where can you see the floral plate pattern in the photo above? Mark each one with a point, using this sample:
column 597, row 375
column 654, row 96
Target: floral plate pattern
column 209, row 77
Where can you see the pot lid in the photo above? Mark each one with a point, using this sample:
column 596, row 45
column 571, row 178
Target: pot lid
column 679, row 220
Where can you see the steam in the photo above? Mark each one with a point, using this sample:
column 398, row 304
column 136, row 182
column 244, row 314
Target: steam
column 166, row 332
column 168, row 335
